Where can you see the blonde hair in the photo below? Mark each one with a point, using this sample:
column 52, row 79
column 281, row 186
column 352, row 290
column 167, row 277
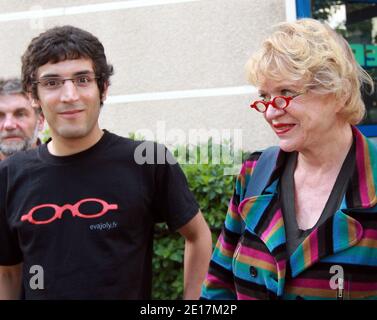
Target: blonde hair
column 311, row 52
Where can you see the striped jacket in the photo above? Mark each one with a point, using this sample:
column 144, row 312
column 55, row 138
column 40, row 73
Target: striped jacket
column 250, row 259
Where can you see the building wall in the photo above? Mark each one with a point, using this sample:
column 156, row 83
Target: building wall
column 178, row 64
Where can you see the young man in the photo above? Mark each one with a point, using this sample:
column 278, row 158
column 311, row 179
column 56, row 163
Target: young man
column 84, row 211
column 20, row 123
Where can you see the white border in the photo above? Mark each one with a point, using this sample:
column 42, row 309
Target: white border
column 37, row 12
column 185, row 94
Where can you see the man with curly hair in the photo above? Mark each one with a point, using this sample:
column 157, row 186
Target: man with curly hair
column 83, row 213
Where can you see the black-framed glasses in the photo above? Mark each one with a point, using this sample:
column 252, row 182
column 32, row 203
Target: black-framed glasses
column 278, row 102
column 80, row 81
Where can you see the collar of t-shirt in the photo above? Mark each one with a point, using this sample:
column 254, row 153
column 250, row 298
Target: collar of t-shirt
column 94, row 150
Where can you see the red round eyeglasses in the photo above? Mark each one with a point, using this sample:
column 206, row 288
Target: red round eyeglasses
column 279, row 102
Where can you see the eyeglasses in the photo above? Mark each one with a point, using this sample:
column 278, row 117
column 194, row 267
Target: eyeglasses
column 75, row 210
column 279, row 102
column 53, row 83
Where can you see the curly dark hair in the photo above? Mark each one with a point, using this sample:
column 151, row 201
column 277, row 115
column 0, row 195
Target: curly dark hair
column 64, row 43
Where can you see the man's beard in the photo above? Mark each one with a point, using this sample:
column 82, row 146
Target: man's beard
column 7, row 149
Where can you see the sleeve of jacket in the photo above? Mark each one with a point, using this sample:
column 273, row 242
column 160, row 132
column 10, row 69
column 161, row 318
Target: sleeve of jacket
column 219, row 282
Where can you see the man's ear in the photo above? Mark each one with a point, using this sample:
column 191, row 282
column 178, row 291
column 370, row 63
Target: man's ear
column 105, row 91
column 41, row 120
column 34, row 102
column 36, row 105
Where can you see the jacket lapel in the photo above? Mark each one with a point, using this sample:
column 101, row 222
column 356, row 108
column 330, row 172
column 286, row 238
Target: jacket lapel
column 361, row 192
column 263, row 217
column 337, row 233
column 341, row 231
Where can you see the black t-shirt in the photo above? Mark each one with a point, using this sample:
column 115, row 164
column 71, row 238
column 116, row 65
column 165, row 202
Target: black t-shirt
column 294, row 235
column 88, row 219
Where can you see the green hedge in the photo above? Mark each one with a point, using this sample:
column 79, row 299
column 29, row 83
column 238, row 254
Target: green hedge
column 212, row 190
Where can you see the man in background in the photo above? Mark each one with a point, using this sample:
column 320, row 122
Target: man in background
column 20, row 123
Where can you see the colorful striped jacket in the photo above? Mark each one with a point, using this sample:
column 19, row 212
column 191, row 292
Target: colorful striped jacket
column 250, row 259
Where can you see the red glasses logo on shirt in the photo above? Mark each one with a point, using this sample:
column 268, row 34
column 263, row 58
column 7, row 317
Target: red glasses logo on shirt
column 33, row 218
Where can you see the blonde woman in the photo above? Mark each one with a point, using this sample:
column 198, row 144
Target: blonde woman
column 311, row 233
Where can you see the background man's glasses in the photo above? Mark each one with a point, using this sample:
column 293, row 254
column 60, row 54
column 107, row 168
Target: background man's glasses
column 279, row 102
column 53, row 83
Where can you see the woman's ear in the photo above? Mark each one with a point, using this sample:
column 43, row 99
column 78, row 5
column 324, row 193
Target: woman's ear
column 342, row 97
